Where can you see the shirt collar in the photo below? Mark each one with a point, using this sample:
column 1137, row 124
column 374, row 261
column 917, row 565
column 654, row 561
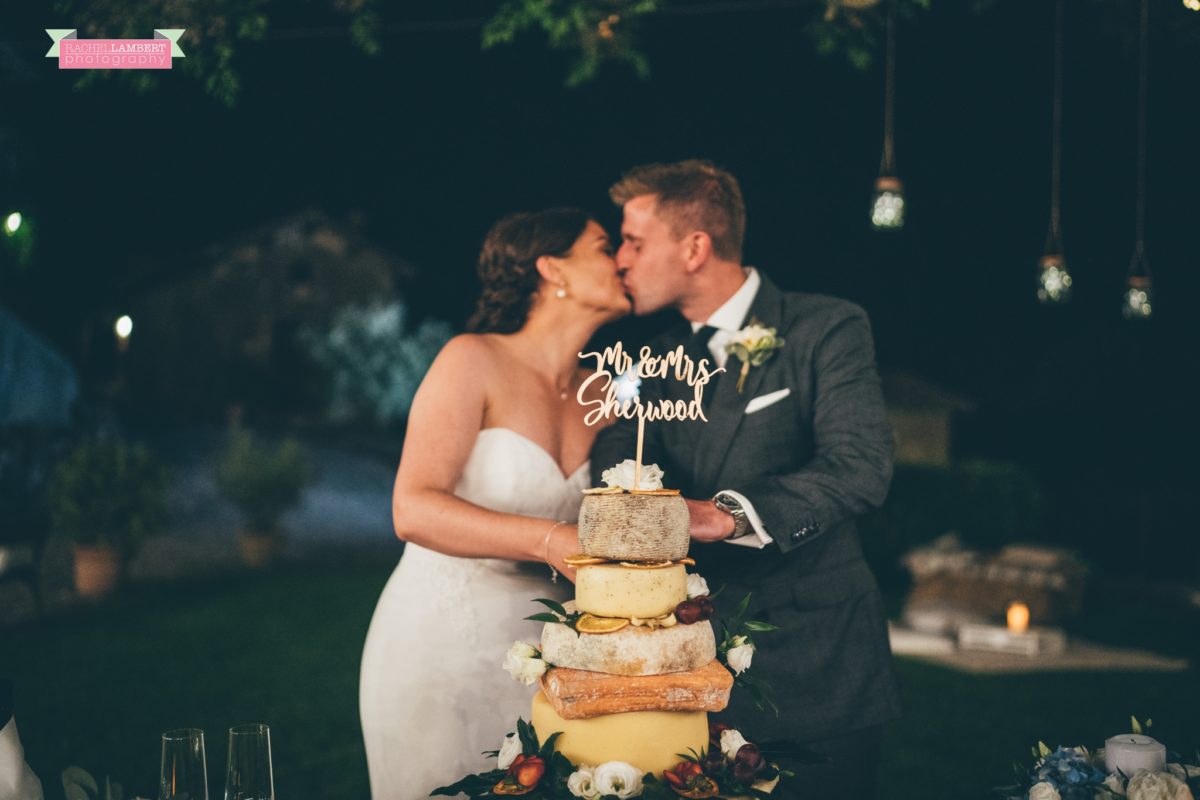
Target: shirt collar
column 732, row 313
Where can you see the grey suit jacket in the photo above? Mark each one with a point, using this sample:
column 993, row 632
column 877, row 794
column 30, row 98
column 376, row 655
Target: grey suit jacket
column 809, row 464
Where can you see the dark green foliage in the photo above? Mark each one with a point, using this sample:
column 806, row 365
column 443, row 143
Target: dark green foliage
column 108, row 493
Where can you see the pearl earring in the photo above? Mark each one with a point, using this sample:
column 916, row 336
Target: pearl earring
column 561, row 293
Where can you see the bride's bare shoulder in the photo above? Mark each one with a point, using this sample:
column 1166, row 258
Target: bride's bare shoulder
column 469, row 351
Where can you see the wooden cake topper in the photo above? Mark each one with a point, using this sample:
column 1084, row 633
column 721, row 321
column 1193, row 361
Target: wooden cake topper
column 617, row 379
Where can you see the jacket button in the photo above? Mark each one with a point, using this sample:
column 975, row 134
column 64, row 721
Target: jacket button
column 800, row 534
column 816, row 527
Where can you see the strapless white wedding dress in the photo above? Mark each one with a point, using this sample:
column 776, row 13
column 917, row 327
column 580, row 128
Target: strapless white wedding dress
column 433, row 694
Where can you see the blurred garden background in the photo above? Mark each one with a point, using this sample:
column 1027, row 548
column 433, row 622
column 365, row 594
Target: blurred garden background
column 221, row 284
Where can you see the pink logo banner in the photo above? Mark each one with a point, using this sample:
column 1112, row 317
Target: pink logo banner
column 76, row 53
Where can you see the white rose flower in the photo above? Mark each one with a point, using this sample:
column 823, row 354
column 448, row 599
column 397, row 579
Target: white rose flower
column 618, row 778
column 732, row 741
column 622, row 475
column 508, row 751
column 1044, row 791
column 582, row 783
column 1146, row 785
column 1115, row 784
column 696, row 585
column 740, row 655
column 522, row 664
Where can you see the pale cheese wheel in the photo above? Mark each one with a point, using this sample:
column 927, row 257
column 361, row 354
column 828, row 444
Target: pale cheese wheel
column 631, row 650
column 615, row 590
column 634, row 527
column 649, row 740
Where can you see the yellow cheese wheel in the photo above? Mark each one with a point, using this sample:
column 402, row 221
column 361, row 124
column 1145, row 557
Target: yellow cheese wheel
column 649, row 740
column 614, row 590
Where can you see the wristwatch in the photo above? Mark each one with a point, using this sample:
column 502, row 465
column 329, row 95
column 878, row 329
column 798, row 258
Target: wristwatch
column 741, row 523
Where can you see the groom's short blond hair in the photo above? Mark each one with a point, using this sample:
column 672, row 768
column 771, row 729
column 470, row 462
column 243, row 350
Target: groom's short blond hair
column 692, row 195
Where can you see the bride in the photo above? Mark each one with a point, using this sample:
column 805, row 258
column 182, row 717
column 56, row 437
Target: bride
column 486, row 497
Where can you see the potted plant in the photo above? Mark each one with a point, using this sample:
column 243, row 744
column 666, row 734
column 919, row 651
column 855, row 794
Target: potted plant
column 263, row 482
column 106, row 496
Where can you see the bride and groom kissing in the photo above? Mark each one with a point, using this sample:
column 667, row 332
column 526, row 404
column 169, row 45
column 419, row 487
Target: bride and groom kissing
column 497, row 454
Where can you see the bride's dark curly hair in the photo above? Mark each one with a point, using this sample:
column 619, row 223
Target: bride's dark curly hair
column 508, row 264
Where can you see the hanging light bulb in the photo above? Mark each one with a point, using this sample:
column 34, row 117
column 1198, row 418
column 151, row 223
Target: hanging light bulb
column 1139, row 297
column 1192, row 5
column 1137, row 304
column 887, row 202
column 12, row 223
column 1054, row 281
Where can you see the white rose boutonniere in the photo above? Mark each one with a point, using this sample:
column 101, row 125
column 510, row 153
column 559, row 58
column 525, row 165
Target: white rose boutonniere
column 523, row 661
column 618, row 779
column 753, row 345
column 622, row 476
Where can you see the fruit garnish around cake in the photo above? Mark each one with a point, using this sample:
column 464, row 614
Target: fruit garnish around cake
column 590, row 623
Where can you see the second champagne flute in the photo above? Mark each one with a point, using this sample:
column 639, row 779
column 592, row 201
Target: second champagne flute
column 249, row 776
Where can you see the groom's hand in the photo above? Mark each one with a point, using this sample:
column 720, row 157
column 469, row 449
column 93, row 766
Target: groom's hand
column 709, row 523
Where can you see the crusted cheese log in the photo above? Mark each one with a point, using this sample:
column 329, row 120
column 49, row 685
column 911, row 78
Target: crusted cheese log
column 634, row 527
column 631, row 650
column 576, row 694
column 615, row 590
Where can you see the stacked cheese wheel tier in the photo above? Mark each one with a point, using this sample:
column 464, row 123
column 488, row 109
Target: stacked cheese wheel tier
column 634, row 527
column 617, row 590
column 631, row 650
column 649, row 740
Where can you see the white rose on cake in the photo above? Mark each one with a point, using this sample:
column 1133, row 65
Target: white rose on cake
column 696, row 585
column 582, row 783
column 508, row 751
column 740, row 655
column 732, row 741
column 622, row 476
column 524, row 664
column 618, row 779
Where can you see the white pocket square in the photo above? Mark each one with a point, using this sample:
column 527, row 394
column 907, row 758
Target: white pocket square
column 764, row 400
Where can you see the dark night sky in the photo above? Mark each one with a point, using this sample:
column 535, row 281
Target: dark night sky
column 435, row 139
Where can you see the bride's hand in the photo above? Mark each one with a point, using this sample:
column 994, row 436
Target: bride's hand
column 564, row 541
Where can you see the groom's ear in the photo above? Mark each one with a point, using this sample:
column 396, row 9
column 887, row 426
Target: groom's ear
column 697, row 248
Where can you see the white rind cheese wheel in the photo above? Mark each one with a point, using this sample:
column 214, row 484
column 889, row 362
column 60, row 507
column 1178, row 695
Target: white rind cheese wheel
column 649, row 740
column 634, row 527
column 614, row 590
column 631, row 650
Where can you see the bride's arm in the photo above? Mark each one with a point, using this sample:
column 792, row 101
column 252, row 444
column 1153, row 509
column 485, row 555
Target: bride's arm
column 445, row 419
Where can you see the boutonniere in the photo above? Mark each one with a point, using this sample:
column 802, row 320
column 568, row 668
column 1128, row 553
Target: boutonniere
column 753, row 345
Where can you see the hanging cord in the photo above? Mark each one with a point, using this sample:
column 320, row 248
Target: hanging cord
column 1139, row 251
column 1054, row 236
column 887, row 165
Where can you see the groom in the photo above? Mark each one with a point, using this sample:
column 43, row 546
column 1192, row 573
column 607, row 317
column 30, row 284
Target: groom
column 777, row 475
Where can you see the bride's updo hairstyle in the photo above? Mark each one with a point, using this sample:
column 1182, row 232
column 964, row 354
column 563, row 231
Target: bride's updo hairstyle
column 508, row 264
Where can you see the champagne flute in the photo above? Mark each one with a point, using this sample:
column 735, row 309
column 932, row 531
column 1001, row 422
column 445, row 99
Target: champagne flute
column 184, row 773
column 249, row 776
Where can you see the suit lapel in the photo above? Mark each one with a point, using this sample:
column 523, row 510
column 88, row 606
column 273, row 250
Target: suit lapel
column 728, row 408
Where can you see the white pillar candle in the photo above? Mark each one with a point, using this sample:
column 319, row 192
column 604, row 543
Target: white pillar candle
column 1130, row 752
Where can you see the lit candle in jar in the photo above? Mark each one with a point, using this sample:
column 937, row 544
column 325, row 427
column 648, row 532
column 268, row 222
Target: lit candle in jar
column 1018, row 618
column 1130, row 752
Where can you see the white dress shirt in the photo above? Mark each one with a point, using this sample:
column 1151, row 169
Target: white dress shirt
column 728, row 320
